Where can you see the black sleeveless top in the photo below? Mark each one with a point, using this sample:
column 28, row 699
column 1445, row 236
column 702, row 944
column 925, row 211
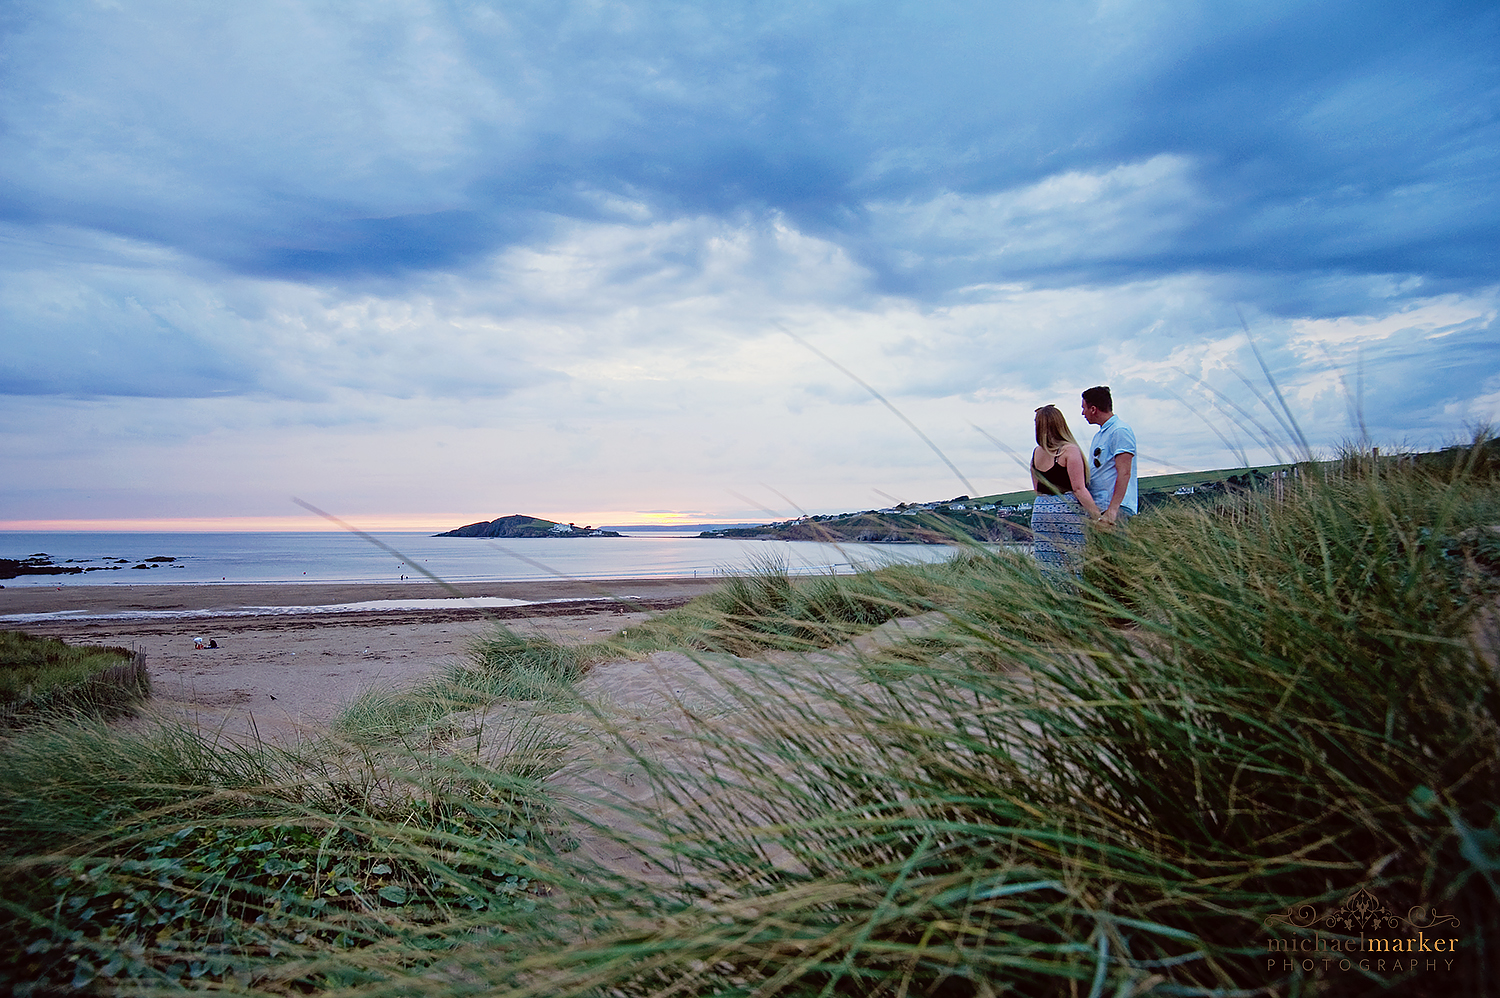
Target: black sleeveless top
column 1055, row 476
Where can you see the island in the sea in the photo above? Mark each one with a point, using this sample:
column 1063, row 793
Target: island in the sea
column 518, row 525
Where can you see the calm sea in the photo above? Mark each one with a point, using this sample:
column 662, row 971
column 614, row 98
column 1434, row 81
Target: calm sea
column 342, row 557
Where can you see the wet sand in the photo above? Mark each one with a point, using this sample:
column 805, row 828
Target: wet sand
column 232, row 596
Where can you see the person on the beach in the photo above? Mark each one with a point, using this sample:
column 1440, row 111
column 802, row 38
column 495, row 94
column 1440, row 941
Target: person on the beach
column 1059, row 476
column 1112, row 463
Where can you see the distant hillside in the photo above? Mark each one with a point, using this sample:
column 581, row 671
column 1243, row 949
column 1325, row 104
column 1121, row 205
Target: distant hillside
column 517, row 525
column 935, row 523
column 999, row 518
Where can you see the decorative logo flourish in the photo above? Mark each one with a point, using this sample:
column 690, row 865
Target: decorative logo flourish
column 1360, row 911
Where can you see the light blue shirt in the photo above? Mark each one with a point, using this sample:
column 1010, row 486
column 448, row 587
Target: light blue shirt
column 1114, row 437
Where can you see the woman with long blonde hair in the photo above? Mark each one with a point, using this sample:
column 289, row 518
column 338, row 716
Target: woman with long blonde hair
column 1060, row 478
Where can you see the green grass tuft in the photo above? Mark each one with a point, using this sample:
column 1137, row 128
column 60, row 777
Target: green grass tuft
column 507, row 666
column 43, row 678
column 770, row 609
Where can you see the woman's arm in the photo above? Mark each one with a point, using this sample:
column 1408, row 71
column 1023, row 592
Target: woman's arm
column 1073, row 459
column 1036, row 486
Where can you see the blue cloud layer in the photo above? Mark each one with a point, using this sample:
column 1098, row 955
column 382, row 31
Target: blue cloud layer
column 256, row 234
column 298, row 141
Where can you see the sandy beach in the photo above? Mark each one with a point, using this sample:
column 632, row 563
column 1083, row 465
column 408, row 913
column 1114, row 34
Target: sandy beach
column 287, row 674
column 282, row 679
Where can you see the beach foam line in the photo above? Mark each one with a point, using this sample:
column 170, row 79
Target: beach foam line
column 449, row 603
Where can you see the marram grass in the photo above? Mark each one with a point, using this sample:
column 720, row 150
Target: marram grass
column 1104, row 788
column 44, row 678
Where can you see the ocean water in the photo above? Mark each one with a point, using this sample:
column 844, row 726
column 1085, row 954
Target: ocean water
column 344, row 557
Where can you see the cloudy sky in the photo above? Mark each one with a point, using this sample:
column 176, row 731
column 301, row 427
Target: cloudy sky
column 422, row 262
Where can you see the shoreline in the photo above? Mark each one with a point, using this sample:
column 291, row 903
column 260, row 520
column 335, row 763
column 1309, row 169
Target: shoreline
column 541, row 598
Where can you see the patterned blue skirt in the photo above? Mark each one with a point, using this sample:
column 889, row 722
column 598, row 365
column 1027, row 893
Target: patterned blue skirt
column 1057, row 528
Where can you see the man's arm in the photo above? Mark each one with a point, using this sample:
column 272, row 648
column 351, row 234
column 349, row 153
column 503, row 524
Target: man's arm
column 1122, row 482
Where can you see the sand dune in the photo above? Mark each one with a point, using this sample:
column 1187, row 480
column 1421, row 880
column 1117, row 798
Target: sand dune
column 288, row 674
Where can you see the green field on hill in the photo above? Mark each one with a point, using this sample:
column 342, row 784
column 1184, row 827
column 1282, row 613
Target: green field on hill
column 1150, row 483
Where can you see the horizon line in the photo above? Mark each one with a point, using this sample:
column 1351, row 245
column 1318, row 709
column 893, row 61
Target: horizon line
column 378, row 523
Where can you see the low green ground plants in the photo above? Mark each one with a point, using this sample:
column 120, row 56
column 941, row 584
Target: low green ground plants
column 166, row 859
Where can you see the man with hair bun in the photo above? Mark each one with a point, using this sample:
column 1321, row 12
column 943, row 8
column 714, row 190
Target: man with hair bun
column 1111, row 457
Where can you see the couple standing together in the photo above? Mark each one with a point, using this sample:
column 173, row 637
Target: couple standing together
column 1072, row 485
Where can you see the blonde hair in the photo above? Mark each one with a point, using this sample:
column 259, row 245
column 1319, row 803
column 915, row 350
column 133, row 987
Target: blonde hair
column 1052, row 433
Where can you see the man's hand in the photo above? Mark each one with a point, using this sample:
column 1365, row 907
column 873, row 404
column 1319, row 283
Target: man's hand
column 1122, row 483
